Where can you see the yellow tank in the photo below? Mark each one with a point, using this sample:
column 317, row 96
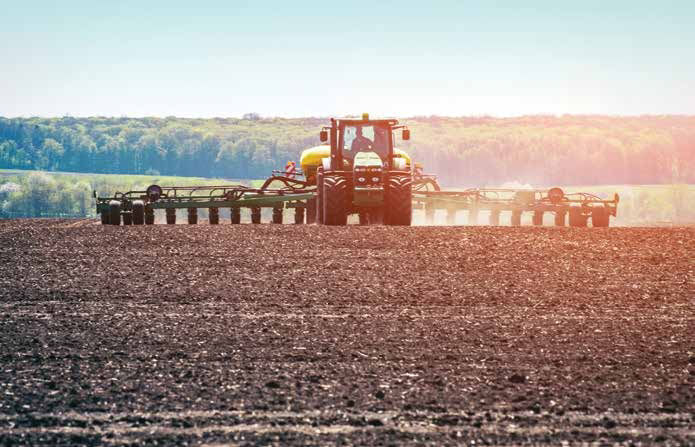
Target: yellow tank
column 311, row 158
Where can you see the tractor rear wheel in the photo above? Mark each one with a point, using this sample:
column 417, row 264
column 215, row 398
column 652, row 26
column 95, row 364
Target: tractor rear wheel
column 600, row 217
column 138, row 212
column 335, row 194
column 399, row 200
column 310, row 211
column 127, row 219
column 560, row 218
column 114, row 212
column 577, row 219
column 104, row 217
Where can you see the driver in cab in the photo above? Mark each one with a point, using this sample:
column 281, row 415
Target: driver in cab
column 360, row 143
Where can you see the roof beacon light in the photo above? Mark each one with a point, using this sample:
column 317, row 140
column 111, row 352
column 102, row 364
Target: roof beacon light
column 365, row 117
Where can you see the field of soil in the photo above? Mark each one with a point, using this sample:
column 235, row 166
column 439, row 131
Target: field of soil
column 283, row 334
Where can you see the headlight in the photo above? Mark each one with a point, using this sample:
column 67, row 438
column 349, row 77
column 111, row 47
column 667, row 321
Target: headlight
column 361, row 179
column 376, row 179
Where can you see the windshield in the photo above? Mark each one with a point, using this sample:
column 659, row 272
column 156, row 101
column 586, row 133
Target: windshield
column 365, row 137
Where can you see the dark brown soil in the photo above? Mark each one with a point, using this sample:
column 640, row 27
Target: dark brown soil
column 359, row 335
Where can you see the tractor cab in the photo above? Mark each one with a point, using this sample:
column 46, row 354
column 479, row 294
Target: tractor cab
column 362, row 173
column 355, row 142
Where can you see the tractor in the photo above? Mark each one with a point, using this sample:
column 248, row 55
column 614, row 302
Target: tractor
column 359, row 172
column 356, row 170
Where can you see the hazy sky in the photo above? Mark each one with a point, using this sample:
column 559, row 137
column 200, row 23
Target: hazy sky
column 297, row 58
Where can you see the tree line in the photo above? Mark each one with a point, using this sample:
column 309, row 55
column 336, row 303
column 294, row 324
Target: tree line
column 465, row 151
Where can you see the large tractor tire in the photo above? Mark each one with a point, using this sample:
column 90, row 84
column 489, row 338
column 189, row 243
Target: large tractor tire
column 335, row 195
column 398, row 208
column 600, row 217
column 560, row 218
column 577, row 219
column 319, row 196
column 114, row 212
column 104, row 217
column 138, row 212
column 127, row 219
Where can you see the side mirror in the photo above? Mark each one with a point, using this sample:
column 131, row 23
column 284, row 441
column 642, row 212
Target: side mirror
column 406, row 134
column 323, row 136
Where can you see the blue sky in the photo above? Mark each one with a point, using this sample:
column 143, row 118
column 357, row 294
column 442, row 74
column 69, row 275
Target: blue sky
column 395, row 58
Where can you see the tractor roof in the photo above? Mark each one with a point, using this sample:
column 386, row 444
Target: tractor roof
column 384, row 122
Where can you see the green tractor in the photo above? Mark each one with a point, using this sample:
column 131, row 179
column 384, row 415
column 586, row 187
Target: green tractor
column 362, row 173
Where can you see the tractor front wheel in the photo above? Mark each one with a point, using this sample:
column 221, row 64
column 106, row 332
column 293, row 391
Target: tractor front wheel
column 399, row 200
column 335, row 192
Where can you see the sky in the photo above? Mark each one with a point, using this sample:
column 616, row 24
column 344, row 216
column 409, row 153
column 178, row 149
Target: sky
column 298, row 58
